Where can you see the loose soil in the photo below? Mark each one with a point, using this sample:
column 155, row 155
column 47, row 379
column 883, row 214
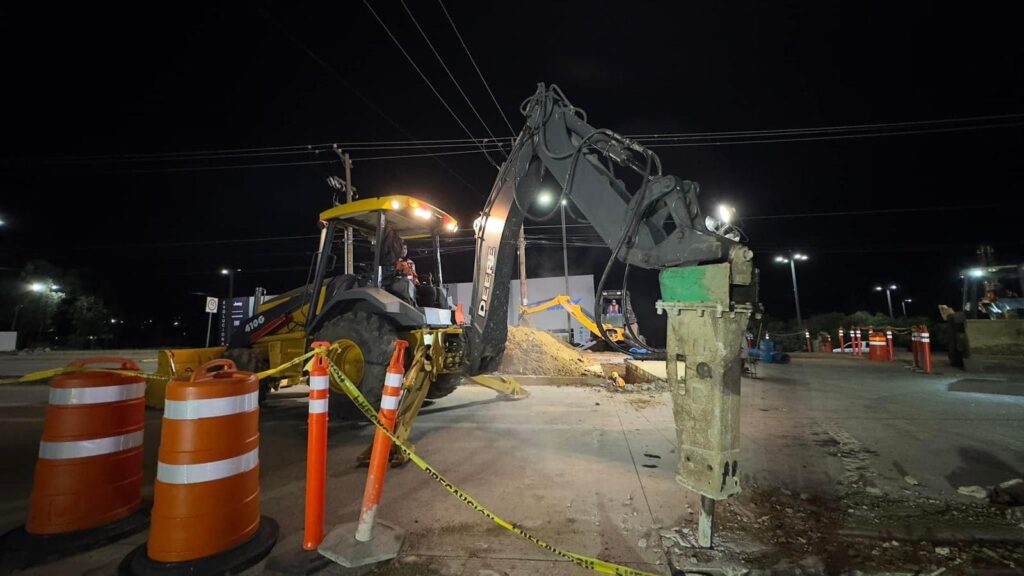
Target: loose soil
column 537, row 353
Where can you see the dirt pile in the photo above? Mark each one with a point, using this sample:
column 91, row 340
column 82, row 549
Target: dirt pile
column 537, row 353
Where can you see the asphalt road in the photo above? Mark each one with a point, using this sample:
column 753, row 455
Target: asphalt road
column 593, row 472
column 19, row 364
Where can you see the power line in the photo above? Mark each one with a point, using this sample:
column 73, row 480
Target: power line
column 205, row 168
column 423, row 76
column 337, row 75
column 398, row 156
column 446, row 69
column 477, row 68
column 200, row 242
column 825, row 128
column 871, row 212
column 181, row 157
column 838, row 136
column 653, row 140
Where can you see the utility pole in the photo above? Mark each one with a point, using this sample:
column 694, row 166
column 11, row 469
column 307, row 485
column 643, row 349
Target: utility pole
column 522, row 270
column 347, row 162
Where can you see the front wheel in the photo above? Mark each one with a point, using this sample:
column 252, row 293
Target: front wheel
column 248, row 360
column 365, row 344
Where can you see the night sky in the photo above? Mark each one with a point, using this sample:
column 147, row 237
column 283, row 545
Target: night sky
column 118, row 82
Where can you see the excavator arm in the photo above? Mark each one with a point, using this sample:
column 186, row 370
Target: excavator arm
column 657, row 226
column 576, row 311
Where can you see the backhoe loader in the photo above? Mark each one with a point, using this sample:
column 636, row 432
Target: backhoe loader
column 363, row 313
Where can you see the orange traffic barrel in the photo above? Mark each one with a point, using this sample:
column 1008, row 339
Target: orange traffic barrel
column 88, row 477
column 206, row 499
column 878, row 348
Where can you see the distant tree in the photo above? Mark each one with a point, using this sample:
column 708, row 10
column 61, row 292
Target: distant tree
column 89, row 323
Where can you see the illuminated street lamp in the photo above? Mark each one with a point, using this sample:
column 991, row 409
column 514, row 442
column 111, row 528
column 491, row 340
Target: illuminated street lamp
column 791, row 260
column 545, row 198
column 230, row 273
column 888, row 296
column 904, row 303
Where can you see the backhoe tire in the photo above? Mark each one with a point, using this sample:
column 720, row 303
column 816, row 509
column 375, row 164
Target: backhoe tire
column 248, row 360
column 445, row 385
column 375, row 339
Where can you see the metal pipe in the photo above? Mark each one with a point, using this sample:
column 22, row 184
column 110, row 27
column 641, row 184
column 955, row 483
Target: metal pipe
column 349, row 261
column 326, row 239
column 565, row 270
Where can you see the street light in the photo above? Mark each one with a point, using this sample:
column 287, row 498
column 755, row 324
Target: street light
column 544, row 198
column 888, row 296
column 230, row 273
column 37, row 287
column 905, row 302
column 792, row 260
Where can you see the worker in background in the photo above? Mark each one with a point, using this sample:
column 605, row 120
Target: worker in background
column 613, row 308
column 406, row 266
column 616, row 383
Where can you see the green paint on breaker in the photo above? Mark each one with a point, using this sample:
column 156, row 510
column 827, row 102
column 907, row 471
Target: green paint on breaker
column 695, row 284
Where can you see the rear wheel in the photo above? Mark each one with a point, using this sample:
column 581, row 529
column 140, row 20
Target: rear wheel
column 365, row 344
column 445, row 385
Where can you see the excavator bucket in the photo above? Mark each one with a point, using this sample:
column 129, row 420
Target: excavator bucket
column 502, row 384
column 173, row 364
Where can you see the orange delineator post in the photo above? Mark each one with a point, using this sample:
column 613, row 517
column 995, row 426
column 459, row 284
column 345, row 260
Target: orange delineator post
column 807, row 337
column 889, row 345
column 842, row 342
column 926, row 350
column 856, row 341
column 380, row 454
column 316, row 450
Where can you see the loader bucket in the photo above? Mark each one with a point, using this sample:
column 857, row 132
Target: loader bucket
column 177, row 364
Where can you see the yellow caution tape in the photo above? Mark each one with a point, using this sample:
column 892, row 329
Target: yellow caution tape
column 48, row 374
column 288, row 364
column 368, row 410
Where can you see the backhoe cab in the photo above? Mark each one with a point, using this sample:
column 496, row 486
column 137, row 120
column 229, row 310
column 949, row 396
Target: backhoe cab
column 363, row 312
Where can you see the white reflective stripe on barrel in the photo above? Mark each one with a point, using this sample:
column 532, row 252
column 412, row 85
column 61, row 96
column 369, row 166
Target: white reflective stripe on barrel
column 85, row 448
column 389, row 402
column 210, row 407
column 877, row 343
column 208, row 471
column 318, row 406
column 96, row 394
column 393, row 380
column 318, row 382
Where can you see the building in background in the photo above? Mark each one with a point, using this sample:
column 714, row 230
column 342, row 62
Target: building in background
column 539, row 290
